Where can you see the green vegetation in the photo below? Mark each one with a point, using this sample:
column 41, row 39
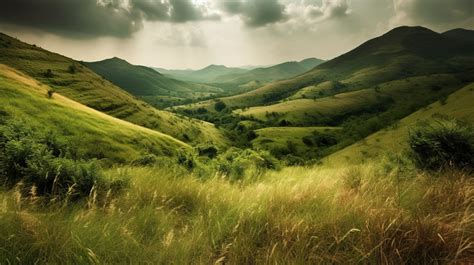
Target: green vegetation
column 442, row 143
column 273, row 73
column 395, row 137
column 88, row 88
column 365, row 159
column 92, row 134
column 208, row 74
column 43, row 163
column 365, row 214
column 296, row 145
column 150, row 85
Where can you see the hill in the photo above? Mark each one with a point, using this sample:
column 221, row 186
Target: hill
column 93, row 133
column 207, row 74
column 267, row 74
column 148, row 84
column 402, row 53
column 394, row 139
column 76, row 81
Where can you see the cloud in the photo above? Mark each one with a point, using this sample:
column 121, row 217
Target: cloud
column 93, row 18
column 328, row 9
column 433, row 12
column 255, row 13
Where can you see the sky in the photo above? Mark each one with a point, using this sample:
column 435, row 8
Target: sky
column 191, row 34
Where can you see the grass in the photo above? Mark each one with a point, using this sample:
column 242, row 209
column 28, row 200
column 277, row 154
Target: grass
column 402, row 94
column 458, row 105
column 369, row 214
column 93, row 133
column 277, row 138
column 88, row 88
column 148, row 83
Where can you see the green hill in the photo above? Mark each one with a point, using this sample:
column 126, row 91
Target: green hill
column 399, row 54
column 148, row 84
column 77, row 82
column 208, row 74
column 276, row 72
column 93, row 133
column 458, row 105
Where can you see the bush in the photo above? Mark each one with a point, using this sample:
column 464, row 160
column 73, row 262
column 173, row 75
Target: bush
column 220, row 106
column 49, row 74
column 50, row 93
column 237, row 164
column 40, row 159
column 442, row 143
column 72, row 69
column 207, row 150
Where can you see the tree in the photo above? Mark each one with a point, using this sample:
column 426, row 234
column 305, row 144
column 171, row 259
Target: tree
column 220, row 106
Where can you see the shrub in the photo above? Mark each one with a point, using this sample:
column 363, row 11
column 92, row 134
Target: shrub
column 220, row 106
column 442, row 143
column 72, row 69
column 40, row 159
column 50, row 93
column 49, row 74
column 209, row 151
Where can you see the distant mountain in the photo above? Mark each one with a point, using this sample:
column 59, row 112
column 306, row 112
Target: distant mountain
column 401, row 53
column 310, row 63
column 460, row 34
column 276, row 72
column 242, row 75
column 147, row 83
column 205, row 75
column 385, row 79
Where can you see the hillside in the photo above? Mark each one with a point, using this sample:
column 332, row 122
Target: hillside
column 77, row 82
column 458, row 105
column 148, row 84
column 399, row 54
column 276, row 72
column 399, row 96
column 93, row 133
column 208, row 74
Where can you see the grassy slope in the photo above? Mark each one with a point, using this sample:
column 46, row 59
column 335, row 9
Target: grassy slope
column 88, row 88
column 95, row 134
column 208, row 74
column 273, row 138
column 276, row 72
column 458, row 105
column 405, row 93
column 147, row 83
column 401, row 53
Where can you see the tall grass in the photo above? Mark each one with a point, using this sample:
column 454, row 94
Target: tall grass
column 376, row 213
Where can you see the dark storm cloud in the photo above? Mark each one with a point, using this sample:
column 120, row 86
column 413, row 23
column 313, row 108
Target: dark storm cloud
column 436, row 11
column 255, row 13
column 92, row 18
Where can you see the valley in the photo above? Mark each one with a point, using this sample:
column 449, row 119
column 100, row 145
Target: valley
column 366, row 158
